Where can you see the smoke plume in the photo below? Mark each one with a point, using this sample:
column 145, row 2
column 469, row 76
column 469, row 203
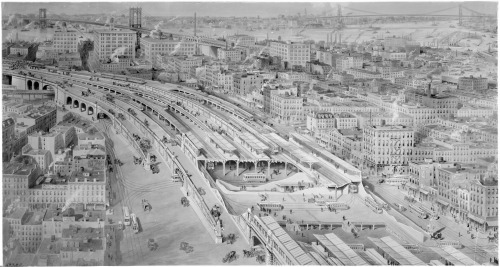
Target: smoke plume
column 120, row 51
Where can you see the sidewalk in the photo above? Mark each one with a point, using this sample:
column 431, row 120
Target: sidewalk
column 448, row 221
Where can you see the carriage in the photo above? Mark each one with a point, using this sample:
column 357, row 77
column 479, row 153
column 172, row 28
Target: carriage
column 185, row 202
column 231, row 256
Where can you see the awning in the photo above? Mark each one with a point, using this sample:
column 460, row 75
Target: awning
column 475, row 218
column 412, row 186
column 492, row 223
column 442, row 202
column 423, row 191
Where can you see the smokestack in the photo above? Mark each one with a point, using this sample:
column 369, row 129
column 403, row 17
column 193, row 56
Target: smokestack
column 194, row 23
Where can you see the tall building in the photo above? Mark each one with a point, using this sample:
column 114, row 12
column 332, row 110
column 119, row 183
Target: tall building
column 387, row 145
column 113, row 49
column 18, row 176
column 152, row 47
column 52, row 141
column 295, row 54
column 347, row 62
column 246, row 83
column 8, row 130
column 230, row 54
column 241, row 40
column 483, row 203
column 65, row 41
column 472, row 83
column 82, row 246
column 286, row 108
column 26, row 228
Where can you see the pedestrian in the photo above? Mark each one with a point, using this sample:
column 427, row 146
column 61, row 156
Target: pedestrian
column 343, row 218
column 290, row 211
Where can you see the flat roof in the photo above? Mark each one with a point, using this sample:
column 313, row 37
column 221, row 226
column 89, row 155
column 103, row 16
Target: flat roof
column 293, row 149
column 252, row 141
column 221, row 142
column 98, row 175
column 19, row 168
column 340, row 250
column 454, row 256
column 396, row 251
column 195, row 140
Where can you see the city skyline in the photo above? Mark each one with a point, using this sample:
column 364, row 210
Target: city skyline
column 228, row 9
column 145, row 133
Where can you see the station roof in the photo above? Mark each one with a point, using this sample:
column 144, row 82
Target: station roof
column 195, row 140
column 340, row 250
column 318, row 258
column 291, row 245
column 292, row 149
column 454, row 256
column 373, row 257
column 221, row 142
column 252, row 141
column 170, row 116
column 396, row 251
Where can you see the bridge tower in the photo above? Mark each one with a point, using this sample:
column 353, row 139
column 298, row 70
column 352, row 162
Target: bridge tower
column 340, row 21
column 460, row 19
column 135, row 22
column 42, row 18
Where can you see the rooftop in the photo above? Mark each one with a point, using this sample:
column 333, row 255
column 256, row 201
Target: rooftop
column 33, row 218
column 17, row 214
column 90, row 136
column 114, row 31
column 90, row 175
column 90, row 216
column 18, row 166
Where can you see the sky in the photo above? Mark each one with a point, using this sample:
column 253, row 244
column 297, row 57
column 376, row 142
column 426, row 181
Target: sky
column 239, row 9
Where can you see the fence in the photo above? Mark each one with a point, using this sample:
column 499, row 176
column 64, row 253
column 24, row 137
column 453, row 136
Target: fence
column 453, row 243
column 360, row 247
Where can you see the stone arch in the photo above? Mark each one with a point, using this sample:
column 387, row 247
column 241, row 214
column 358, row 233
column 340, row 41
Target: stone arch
column 83, row 107
column 76, row 104
column 256, row 241
column 36, row 85
column 90, row 111
column 30, row 85
column 47, row 87
column 69, row 100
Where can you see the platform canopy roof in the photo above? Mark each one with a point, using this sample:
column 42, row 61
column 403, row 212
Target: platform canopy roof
column 291, row 245
column 252, row 141
column 221, row 142
column 396, row 251
column 292, row 149
column 340, row 250
column 454, row 256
